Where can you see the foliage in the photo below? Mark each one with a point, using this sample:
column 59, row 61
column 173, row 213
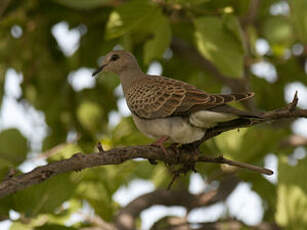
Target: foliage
column 224, row 32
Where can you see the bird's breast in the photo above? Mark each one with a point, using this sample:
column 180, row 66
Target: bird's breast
column 178, row 129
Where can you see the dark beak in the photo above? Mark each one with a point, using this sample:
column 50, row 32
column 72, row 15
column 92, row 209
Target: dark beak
column 98, row 70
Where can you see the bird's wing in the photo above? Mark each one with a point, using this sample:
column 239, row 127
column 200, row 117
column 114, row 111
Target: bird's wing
column 159, row 97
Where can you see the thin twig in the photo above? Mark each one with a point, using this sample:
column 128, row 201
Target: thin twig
column 293, row 104
column 175, row 176
column 222, row 160
column 99, row 147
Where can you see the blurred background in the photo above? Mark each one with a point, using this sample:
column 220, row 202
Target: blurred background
column 51, row 108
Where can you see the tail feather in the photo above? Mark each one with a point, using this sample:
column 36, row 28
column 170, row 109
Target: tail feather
column 235, row 96
column 241, row 113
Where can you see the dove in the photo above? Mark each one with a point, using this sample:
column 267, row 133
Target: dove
column 169, row 109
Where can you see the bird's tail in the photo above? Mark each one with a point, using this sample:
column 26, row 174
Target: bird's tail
column 241, row 113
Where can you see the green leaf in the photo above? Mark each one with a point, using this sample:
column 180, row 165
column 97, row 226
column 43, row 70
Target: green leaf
column 220, row 41
column 126, row 133
column 299, row 18
column 292, row 207
column 6, row 205
column 160, row 176
column 269, row 139
column 62, row 215
column 232, row 24
column 292, row 194
column 63, row 151
column 13, row 147
column 289, row 174
column 154, row 48
column 90, row 115
column 44, row 197
column 82, row 4
column 278, row 30
column 241, row 146
column 129, row 16
column 54, row 227
column 20, row 226
column 98, row 196
column 188, row 2
column 264, row 90
column 139, row 20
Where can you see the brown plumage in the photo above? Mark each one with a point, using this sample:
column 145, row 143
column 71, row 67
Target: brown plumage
column 159, row 97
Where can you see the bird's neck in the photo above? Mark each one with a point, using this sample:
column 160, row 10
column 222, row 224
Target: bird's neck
column 127, row 78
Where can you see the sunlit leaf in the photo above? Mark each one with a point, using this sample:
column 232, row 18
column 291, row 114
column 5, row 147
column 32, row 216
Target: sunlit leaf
column 219, row 41
column 278, row 30
column 292, row 195
column 20, row 226
column 126, row 133
column 90, row 115
column 129, row 16
column 98, row 196
column 299, row 18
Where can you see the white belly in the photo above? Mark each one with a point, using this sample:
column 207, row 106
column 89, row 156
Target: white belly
column 177, row 129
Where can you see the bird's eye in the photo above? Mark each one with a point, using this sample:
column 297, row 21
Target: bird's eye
column 114, row 57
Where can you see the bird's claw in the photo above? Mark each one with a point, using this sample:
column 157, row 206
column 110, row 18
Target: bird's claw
column 159, row 143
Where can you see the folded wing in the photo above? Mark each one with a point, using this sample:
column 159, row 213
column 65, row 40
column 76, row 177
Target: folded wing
column 159, row 97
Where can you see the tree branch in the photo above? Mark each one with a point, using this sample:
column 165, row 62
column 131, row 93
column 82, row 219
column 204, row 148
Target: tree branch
column 115, row 156
column 127, row 215
column 179, row 223
column 222, row 160
column 118, row 155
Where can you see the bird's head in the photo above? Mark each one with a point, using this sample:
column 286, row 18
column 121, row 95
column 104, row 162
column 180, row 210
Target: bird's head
column 117, row 62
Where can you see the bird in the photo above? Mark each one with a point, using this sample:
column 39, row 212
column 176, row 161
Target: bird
column 169, row 109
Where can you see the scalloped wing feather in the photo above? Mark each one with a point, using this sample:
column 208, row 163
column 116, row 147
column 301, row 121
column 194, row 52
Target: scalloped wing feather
column 159, row 97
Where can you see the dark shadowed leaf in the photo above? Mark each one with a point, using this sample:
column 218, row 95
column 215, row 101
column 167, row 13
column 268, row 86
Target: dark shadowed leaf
column 54, row 227
column 81, row 4
column 44, row 197
column 13, row 147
